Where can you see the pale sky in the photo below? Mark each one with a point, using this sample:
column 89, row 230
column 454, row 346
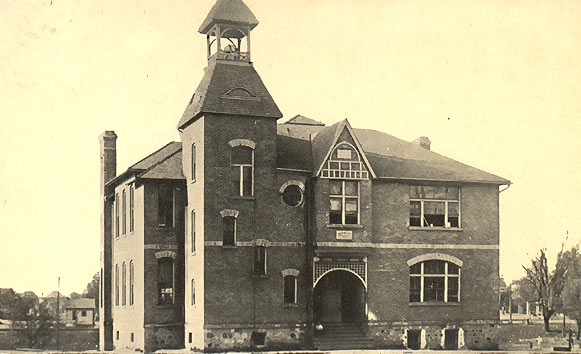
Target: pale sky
column 493, row 84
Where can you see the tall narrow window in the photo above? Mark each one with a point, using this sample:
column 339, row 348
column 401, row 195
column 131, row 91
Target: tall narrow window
column 242, row 171
column 290, row 289
column 165, row 281
column 123, row 285
column 132, row 208
column 124, row 213
column 229, row 231
column 165, row 205
column 102, row 289
column 344, row 202
column 117, row 206
column 131, row 283
column 193, row 286
column 259, row 260
column 434, row 206
column 193, row 231
column 116, row 284
column 193, row 162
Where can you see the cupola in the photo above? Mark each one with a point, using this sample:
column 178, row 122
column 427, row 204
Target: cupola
column 227, row 28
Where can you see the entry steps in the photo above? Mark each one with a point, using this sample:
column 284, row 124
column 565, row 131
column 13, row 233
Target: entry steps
column 342, row 336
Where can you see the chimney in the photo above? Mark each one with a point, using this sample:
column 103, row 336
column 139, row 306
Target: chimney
column 423, row 141
column 108, row 144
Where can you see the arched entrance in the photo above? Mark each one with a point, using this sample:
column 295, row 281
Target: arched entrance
column 339, row 297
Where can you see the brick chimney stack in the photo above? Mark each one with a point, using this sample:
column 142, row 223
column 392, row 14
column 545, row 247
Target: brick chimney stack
column 108, row 152
column 423, row 141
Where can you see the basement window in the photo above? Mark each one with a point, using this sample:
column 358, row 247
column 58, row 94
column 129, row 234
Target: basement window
column 434, row 206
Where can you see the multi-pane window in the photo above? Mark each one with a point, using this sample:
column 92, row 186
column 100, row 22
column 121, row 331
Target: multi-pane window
column 242, row 171
column 259, row 260
column 193, row 162
column 124, row 213
column 344, row 202
column 131, row 283
column 117, row 206
column 435, row 280
column 345, row 163
column 132, row 208
column 290, row 289
column 229, row 231
column 123, row 285
column 193, row 231
column 165, row 281
column 165, row 205
column 116, row 284
column 435, row 206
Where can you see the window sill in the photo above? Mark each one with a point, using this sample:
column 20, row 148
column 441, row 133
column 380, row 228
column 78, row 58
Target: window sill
column 237, row 197
column 165, row 228
column 193, row 181
column 434, row 303
column 262, row 276
column 229, row 247
column 290, row 305
column 435, row 228
column 344, row 226
column 165, row 306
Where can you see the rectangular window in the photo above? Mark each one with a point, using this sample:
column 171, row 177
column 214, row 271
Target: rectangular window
column 131, row 283
column 451, row 339
column 165, row 281
column 117, row 335
column 193, row 290
column 242, row 171
column 229, row 231
column 190, row 337
column 193, row 231
column 290, row 289
column 132, row 208
column 116, row 284
column 344, row 202
column 165, row 205
column 260, row 260
column 117, row 205
column 83, row 313
column 123, row 285
column 414, row 338
column 193, row 162
column 124, row 213
column 132, row 337
column 434, row 206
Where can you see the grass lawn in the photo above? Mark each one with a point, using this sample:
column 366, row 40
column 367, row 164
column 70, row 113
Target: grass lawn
column 520, row 336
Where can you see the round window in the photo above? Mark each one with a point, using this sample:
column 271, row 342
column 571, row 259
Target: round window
column 292, row 195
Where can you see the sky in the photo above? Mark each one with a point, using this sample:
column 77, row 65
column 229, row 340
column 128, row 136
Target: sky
column 493, row 84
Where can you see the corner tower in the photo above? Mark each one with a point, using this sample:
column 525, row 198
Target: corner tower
column 230, row 116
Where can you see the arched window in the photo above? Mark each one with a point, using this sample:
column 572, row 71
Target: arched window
column 124, row 213
column 229, row 227
column 123, row 285
column 131, row 283
column 435, row 280
column 165, row 280
column 290, row 286
column 242, row 167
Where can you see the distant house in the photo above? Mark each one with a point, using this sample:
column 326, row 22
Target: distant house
column 80, row 312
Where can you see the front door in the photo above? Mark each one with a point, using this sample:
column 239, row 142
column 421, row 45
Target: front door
column 339, row 297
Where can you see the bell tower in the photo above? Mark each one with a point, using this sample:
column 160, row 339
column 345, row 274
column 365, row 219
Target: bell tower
column 227, row 28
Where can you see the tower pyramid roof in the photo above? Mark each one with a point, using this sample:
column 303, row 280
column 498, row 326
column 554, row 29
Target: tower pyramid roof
column 229, row 11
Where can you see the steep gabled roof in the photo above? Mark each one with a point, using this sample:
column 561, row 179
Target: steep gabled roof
column 302, row 120
column 230, row 89
column 230, row 11
column 164, row 163
column 390, row 157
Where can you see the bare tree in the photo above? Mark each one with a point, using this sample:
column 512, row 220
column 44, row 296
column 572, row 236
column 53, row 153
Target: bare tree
column 572, row 290
column 548, row 285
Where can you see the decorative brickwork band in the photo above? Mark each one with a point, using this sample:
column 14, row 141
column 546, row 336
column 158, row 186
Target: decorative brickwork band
column 321, row 268
column 242, row 142
column 440, row 256
column 165, row 254
column 229, row 212
column 293, row 272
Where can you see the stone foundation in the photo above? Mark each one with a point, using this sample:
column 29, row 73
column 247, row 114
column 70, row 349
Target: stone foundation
column 163, row 337
column 480, row 336
column 245, row 336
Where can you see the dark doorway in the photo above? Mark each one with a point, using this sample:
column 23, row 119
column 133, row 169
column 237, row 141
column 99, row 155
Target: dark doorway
column 414, row 338
column 339, row 297
column 451, row 339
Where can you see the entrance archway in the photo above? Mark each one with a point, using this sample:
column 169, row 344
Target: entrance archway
column 339, row 297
